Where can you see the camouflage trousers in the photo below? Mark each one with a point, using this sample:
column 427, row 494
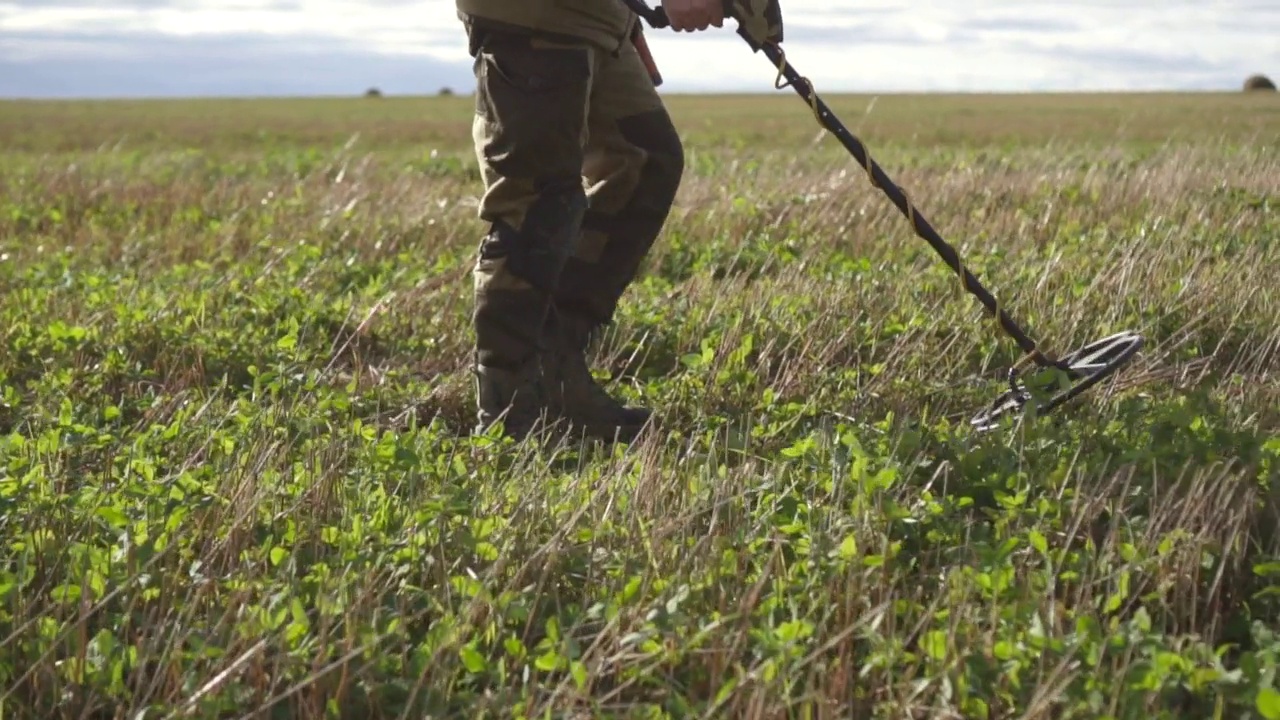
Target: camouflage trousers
column 580, row 164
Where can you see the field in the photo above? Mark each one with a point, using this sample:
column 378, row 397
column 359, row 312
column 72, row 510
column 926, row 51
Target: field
column 237, row 479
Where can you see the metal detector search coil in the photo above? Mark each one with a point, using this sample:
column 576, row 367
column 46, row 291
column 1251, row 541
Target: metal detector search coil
column 1082, row 368
column 1085, row 368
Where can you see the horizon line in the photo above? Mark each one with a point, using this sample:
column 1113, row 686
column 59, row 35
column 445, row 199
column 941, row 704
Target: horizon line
column 383, row 95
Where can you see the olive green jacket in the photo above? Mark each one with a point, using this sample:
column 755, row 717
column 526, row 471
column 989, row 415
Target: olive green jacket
column 607, row 23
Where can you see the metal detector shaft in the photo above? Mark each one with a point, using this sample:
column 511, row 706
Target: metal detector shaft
column 1084, row 367
column 657, row 18
column 918, row 221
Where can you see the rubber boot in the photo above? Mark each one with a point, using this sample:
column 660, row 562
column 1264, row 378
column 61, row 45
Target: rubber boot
column 516, row 398
column 575, row 394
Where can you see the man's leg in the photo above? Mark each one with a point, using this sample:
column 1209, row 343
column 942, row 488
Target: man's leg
column 633, row 165
column 529, row 129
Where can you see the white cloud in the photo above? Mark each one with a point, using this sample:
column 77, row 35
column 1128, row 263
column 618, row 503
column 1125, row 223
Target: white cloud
column 840, row 44
column 1000, row 45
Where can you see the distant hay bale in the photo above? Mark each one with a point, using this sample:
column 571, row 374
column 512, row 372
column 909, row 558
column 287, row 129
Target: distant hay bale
column 373, row 93
column 1259, row 82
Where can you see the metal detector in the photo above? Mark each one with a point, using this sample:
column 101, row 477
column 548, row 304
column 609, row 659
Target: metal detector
column 1077, row 371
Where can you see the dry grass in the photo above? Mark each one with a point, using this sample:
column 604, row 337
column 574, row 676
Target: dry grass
column 235, row 477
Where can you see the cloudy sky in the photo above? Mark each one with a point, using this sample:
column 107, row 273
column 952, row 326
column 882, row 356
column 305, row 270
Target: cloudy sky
column 99, row 48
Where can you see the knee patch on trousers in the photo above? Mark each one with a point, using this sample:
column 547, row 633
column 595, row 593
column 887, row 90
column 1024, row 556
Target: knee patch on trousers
column 536, row 253
column 654, row 133
column 594, row 284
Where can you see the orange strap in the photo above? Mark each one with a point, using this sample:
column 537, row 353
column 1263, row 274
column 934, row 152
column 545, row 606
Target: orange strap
column 642, row 46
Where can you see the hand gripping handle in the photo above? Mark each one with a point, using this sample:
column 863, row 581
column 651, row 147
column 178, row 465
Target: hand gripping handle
column 759, row 21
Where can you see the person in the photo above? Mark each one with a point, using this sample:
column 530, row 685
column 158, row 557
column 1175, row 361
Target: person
column 581, row 164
